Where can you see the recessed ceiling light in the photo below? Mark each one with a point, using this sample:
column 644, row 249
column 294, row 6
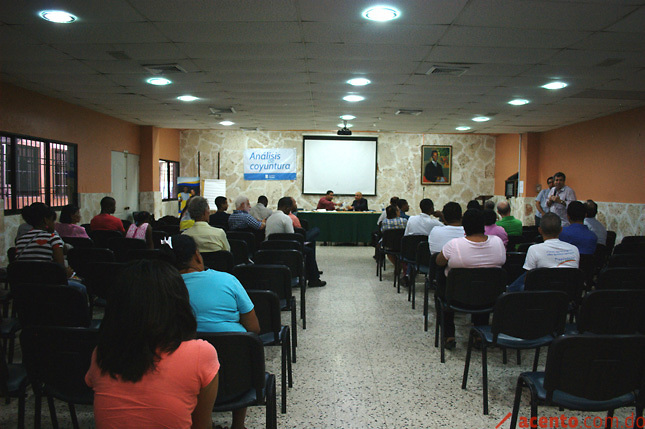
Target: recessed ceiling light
column 353, row 98
column 518, row 102
column 187, row 98
column 464, row 128
column 381, row 13
column 345, row 125
column 347, row 117
column 59, row 16
column 227, row 123
column 481, row 118
column 159, row 81
column 359, row 81
column 555, row 85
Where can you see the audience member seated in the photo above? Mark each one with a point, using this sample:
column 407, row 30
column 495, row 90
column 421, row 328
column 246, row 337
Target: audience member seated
column 593, row 224
column 185, row 221
column 220, row 303
column 423, row 223
column 474, row 204
column 393, row 219
column 403, row 207
column 208, row 238
column 70, row 215
column 326, row 202
column 509, row 223
column 489, row 205
column 383, row 215
column 147, row 369
column 141, row 229
column 577, row 233
column 241, row 219
column 359, row 204
column 219, row 219
column 552, row 253
column 104, row 221
column 475, row 250
column 260, row 210
column 440, row 235
column 491, row 228
column 312, row 233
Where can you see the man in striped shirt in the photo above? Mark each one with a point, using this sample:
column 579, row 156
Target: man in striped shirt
column 241, row 219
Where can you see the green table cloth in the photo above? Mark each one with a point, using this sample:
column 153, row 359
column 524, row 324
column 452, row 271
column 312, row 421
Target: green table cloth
column 342, row 227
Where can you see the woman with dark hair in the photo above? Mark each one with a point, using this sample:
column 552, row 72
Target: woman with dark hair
column 70, row 215
column 141, row 229
column 147, row 370
column 475, row 250
column 219, row 301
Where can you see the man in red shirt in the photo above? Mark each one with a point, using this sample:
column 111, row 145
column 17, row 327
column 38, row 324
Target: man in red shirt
column 104, row 221
column 326, row 203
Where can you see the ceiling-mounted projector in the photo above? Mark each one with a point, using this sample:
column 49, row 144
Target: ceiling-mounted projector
column 344, row 131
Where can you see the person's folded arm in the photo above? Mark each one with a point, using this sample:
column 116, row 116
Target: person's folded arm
column 441, row 260
column 202, row 415
column 250, row 322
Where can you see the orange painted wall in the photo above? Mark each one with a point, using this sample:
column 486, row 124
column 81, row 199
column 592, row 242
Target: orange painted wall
column 168, row 140
column 32, row 114
column 506, row 161
column 604, row 159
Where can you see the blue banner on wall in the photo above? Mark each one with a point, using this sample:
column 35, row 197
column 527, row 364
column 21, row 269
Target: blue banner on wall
column 270, row 164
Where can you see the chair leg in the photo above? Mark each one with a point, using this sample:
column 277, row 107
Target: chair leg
column 303, row 307
column 283, row 375
column 443, row 337
column 516, row 403
column 21, row 407
column 289, row 366
column 485, row 376
column 72, row 414
column 504, row 357
column 426, row 292
column 536, row 359
column 52, row 411
column 610, row 415
column 471, row 340
column 37, row 407
column 519, row 357
column 271, row 406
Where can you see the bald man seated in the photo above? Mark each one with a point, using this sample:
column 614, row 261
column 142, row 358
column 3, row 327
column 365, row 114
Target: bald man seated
column 511, row 225
column 359, row 204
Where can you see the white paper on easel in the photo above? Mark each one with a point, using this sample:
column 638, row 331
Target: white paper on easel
column 214, row 188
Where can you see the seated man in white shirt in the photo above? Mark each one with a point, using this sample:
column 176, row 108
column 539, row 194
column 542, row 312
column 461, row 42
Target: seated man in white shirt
column 422, row 224
column 593, row 224
column 440, row 235
column 553, row 253
column 260, row 211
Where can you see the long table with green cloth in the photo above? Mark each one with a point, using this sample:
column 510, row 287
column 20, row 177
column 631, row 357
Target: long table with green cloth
column 342, row 227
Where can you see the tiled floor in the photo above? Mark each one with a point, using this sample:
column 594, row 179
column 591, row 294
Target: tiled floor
column 365, row 362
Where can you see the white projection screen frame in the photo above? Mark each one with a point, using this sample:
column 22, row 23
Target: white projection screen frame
column 344, row 165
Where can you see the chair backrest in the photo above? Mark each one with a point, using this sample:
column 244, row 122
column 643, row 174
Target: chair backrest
column 267, row 309
column 611, row 312
column 101, row 238
column 392, row 239
column 282, row 244
column 514, row 265
column 529, row 232
column 80, row 258
column 595, row 367
column 219, row 261
column 300, row 231
column 569, row 280
column 288, row 236
column 611, row 241
column 169, row 229
column 240, row 251
column 588, row 267
column 633, row 247
column 476, row 288
column 136, row 254
column 621, row 278
column 423, row 254
column 44, row 272
column 81, row 242
column 530, row 315
column 158, row 238
column 121, row 245
column 627, row 260
column 101, row 278
column 11, row 254
column 633, row 239
column 50, row 305
column 276, row 278
column 410, row 244
column 290, row 258
column 249, row 237
column 59, row 357
column 523, row 247
column 241, row 358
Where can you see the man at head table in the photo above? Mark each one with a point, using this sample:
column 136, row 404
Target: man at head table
column 326, row 202
column 359, row 204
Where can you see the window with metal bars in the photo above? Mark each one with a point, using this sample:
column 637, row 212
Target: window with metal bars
column 36, row 170
column 168, row 173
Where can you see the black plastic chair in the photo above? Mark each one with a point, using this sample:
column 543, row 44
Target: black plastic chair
column 242, row 378
column 522, row 247
column 633, row 239
column 611, row 312
column 409, row 246
column 521, row 321
column 13, row 384
column 136, row 254
column 101, row 279
column 630, row 247
column 247, row 236
column 288, row 236
column 77, row 242
column 100, row 238
column 277, row 279
column 588, row 267
column 627, row 260
column 430, row 284
column 568, row 280
column 79, row 259
column 611, row 241
column 468, row 290
column 122, row 245
column 282, row 245
column 158, row 238
column 390, row 245
column 273, row 333
column 621, row 278
column 57, row 359
column 219, row 261
column 514, row 265
column 587, row 373
column 295, row 262
column 169, row 229
column 240, row 251
column 513, row 241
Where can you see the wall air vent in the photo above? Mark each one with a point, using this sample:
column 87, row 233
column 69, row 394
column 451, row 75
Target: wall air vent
column 410, row 112
column 222, row 110
column 163, row 68
column 447, row 70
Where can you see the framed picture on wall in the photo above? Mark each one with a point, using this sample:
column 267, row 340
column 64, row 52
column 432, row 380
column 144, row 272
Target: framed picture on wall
column 436, row 165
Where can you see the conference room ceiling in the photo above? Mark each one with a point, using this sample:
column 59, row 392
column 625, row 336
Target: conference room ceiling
column 284, row 64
